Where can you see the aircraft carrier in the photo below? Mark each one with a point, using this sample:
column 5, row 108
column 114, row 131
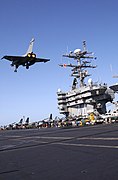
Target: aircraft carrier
column 83, row 98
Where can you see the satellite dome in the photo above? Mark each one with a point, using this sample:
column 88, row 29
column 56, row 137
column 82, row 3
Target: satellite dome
column 77, row 51
column 59, row 90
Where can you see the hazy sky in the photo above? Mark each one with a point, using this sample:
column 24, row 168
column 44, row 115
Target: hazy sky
column 55, row 25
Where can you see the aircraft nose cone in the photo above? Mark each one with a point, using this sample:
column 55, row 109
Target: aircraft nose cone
column 3, row 57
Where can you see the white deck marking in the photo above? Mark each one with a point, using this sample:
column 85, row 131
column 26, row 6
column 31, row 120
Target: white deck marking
column 87, row 145
column 98, row 138
column 61, row 138
column 37, row 139
column 43, row 137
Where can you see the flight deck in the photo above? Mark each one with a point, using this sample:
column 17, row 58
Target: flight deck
column 89, row 152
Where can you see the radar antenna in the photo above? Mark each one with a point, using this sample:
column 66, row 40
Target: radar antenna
column 79, row 70
column 84, row 45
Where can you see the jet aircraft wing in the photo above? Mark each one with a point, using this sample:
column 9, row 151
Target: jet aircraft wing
column 13, row 58
column 41, row 60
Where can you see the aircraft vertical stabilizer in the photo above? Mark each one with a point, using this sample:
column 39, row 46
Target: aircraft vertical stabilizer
column 30, row 48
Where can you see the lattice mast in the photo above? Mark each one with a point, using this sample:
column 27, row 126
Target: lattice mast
column 83, row 61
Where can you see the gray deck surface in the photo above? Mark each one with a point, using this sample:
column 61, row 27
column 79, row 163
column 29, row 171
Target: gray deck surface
column 58, row 154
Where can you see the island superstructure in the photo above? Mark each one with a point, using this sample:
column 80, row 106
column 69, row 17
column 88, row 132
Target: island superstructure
column 83, row 98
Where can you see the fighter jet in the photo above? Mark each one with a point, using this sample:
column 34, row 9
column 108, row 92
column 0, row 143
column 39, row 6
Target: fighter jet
column 26, row 60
